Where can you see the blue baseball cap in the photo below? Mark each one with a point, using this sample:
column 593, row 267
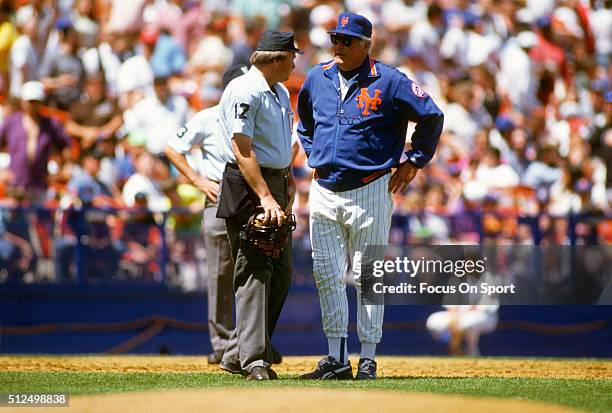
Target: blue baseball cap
column 352, row 24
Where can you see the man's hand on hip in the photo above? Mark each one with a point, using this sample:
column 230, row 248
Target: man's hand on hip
column 403, row 175
column 208, row 187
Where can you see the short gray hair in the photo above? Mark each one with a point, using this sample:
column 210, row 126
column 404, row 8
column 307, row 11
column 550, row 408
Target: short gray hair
column 367, row 43
column 260, row 57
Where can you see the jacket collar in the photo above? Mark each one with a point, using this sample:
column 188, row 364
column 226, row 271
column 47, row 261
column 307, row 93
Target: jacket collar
column 369, row 69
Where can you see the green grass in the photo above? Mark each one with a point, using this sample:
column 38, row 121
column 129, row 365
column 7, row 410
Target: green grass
column 585, row 394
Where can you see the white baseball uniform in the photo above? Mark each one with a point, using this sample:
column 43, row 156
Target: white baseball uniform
column 342, row 223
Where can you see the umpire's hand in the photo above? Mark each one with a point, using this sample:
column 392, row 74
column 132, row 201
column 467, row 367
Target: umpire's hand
column 404, row 173
column 272, row 211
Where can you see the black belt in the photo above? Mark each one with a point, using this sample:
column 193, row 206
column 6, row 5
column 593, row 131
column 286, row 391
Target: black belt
column 264, row 171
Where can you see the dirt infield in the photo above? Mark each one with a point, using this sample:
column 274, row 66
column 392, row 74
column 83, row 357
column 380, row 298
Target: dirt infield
column 273, row 400
column 277, row 400
column 388, row 366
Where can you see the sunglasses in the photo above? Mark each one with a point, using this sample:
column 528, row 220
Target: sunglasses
column 346, row 41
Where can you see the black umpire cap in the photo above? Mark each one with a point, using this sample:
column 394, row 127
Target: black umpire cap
column 273, row 41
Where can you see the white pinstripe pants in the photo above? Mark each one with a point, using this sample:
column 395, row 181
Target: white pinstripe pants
column 341, row 225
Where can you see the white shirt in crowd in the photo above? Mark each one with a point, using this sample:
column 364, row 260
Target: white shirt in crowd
column 135, row 74
column 459, row 121
column 500, row 176
column 138, row 183
column 424, row 38
column 516, row 76
column 601, row 23
column 103, row 59
column 24, row 64
column 154, row 120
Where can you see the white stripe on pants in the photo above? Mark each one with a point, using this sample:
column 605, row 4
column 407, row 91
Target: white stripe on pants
column 341, row 225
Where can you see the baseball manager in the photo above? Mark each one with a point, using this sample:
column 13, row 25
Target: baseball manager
column 354, row 113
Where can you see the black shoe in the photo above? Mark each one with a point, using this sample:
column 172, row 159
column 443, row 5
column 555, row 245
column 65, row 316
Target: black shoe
column 366, row 370
column 277, row 358
column 329, row 368
column 272, row 374
column 230, row 367
column 215, row 357
column 258, row 373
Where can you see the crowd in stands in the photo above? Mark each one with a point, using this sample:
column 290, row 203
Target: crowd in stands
column 92, row 89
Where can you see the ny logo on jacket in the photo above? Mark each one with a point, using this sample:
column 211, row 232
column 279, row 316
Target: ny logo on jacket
column 365, row 102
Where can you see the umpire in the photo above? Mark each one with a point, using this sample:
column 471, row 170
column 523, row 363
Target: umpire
column 203, row 130
column 256, row 123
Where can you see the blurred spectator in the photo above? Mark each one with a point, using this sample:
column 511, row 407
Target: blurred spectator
column 463, row 116
column 64, row 74
column 84, row 18
column 175, row 104
column 212, row 53
column 8, row 35
column 148, row 118
column 104, row 59
column 164, row 14
column 142, row 239
column 544, row 171
column 546, row 53
column 135, row 73
column 97, row 111
column 30, row 137
column 24, row 55
column 126, row 16
column 96, row 254
column 272, row 10
column 425, row 36
column 243, row 49
column 191, row 26
column 143, row 183
column 168, row 58
column 492, row 174
column 84, row 176
column 426, row 224
column 517, row 78
column 464, row 45
column 601, row 23
column 16, row 255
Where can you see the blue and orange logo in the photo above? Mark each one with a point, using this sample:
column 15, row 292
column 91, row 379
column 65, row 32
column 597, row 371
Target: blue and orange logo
column 367, row 103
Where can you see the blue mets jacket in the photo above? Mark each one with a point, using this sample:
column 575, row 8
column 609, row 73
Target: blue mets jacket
column 350, row 142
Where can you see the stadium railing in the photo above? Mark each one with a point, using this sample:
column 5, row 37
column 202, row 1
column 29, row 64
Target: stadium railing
column 135, row 246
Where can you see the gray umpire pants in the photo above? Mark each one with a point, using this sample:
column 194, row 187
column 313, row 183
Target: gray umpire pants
column 220, row 279
column 261, row 285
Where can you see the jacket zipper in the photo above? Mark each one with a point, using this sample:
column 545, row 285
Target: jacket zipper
column 341, row 110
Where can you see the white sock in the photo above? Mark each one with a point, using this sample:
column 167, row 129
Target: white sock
column 338, row 349
column 368, row 351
